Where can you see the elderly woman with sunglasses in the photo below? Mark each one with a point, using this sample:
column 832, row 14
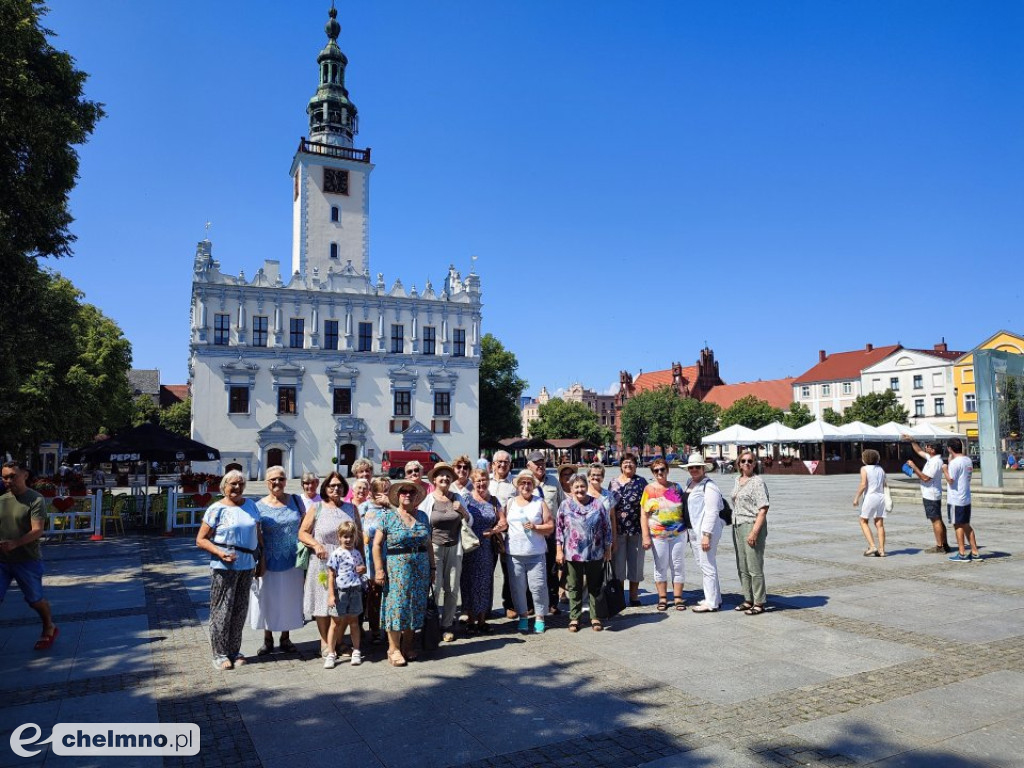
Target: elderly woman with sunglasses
column 230, row 532
column 704, row 502
column 414, row 472
column 362, row 469
column 749, row 531
column 529, row 521
column 319, row 532
column 663, row 526
column 462, row 484
column 403, row 566
column 278, row 603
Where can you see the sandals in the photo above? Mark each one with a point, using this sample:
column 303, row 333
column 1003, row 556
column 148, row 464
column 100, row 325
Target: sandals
column 266, row 649
column 597, row 626
column 239, row 660
column 870, row 553
column 680, row 604
column 45, row 642
column 662, row 605
column 396, row 659
column 704, row 609
column 574, row 626
column 746, row 605
column 881, row 553
column 754, row 610
column 287, row 646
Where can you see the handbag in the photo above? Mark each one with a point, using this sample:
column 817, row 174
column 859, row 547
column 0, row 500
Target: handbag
column 301, row 550
column 888, row 499
column 430, row 637
column 612, row 599
column 470, row 541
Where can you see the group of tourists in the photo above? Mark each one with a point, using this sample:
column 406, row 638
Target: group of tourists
column 374, row 551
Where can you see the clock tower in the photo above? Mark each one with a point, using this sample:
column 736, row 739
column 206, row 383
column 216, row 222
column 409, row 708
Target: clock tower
column 330, row 177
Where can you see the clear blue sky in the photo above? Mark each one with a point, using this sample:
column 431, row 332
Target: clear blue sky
column 637, row 178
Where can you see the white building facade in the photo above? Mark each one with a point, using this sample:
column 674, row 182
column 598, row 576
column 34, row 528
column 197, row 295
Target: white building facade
column 922, row 381
column 326, row 364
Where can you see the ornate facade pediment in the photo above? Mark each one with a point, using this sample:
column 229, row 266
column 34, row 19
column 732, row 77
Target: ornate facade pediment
column 276, row 432
column 403, row 378
column 442, row 379
column 417, row 438
column 342, row 376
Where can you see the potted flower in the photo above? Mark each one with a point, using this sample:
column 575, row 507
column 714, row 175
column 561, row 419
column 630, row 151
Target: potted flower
column 46, row 487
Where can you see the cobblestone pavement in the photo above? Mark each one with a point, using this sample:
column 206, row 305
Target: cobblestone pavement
column 904, row 661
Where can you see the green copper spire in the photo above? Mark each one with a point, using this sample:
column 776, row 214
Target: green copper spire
column 332, row 117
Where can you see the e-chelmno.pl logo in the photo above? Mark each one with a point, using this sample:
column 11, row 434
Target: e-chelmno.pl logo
column 114, row 739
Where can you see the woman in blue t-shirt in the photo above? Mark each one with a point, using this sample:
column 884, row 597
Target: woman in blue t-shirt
column 230, row 532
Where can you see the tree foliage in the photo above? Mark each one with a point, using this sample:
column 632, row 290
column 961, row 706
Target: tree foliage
column 833, row 417
column 76, row 380
column 143, row 410
column 42, row 117
column 797, row 416
column 693, row 421
column 178, row 417
column 560, row 420
column 500, row 390
column 750, row 412
column 648, row 418
column 876, row 408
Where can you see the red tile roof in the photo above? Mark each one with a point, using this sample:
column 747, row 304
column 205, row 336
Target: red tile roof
column 777, row 392
column 172, row 393
column 845, row 366
column 655, row 379
column 947, row 355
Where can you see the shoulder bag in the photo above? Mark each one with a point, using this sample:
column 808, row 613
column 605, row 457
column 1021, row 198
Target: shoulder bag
column 430, row 637
column 612, row 599
column 302, row 551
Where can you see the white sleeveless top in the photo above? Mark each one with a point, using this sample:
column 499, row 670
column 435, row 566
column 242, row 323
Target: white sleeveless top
column 521, row 541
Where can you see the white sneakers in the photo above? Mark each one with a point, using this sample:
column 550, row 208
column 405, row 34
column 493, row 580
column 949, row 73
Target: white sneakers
column 332, row 660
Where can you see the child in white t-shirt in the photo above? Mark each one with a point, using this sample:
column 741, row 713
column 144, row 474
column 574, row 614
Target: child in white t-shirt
column 346, row 571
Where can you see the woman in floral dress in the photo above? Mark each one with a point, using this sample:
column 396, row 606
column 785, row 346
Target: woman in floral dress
column 405, row 574
column 583, row 539
column 478, row 565
column 319, row 532
column 628, row 558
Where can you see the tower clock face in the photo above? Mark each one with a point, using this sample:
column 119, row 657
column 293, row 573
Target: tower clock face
column 336, row 181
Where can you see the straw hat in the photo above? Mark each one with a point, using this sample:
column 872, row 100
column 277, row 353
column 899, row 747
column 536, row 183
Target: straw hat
column 563, row 468
column 442, row 466
column 418, row 491
column 696, row 460
column 526, row 475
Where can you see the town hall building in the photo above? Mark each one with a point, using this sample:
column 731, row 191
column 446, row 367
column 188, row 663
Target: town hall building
column 321, row 363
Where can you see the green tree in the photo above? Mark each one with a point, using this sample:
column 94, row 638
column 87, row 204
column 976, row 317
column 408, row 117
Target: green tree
column 178, row 417
column 143, row 410
column 559, row 419
column 797, row 415
column 830, row 416
column 693, row 421
column 500, row 390
column 876, row 408
column 750, row 412
column 648, row 418
column 78, row 380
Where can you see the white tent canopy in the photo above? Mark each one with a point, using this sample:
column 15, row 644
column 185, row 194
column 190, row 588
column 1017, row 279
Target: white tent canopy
column 776, row 432
column 858, row 431
column 817, row 432
column 734, row 435
column 926, row 430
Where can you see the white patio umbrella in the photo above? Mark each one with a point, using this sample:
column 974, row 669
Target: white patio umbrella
column 816, row 432
column 858, row 431
column 892, row 430
column 776, row 432
column 927, row 430
column 734, row 435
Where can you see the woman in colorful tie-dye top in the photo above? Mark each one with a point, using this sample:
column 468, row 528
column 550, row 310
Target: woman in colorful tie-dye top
column 662, row 523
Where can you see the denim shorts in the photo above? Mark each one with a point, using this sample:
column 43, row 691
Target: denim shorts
column 933, row 509
column 28, row 574
column 348, row 601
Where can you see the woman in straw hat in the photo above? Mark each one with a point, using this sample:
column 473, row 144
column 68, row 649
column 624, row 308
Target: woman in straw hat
column 703, row 503
column 447, row 513
column 405, row 573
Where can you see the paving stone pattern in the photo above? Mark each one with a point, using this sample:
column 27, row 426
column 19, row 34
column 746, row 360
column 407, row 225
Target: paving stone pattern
column 903, row 661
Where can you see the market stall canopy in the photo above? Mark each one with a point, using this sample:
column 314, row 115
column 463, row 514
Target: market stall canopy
column 734, row 435
column 933, row 432
column 892, row 430
column 817, row 432
column 776, row 432
column 858, row 431
column 146, row 442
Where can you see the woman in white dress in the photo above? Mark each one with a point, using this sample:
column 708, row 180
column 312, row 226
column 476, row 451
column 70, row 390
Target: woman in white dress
column 872, row 488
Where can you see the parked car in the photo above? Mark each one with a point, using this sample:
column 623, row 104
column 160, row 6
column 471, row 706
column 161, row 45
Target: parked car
column 392, row 463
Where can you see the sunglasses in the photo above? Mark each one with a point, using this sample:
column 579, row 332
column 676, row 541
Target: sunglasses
column 413, row 471
column 405, row 492
column 746, row 461
column 659, row 471
column 335, row 485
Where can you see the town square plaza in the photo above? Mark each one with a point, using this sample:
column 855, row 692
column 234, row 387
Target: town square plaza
column 910, row 660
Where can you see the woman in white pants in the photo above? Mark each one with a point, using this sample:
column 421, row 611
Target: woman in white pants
column 662, row 528
column 704, row 502
column 529, row 522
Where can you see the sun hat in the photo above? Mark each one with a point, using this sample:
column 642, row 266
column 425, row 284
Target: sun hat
column 441, row 466
column 418, row 491
column 526, row 475
column 696, row 460
column 574, row 468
